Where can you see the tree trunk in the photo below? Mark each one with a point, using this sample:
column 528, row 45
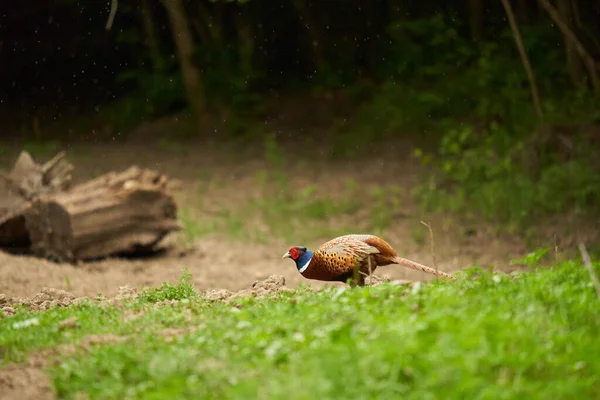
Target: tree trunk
column 476, row 19
column 574, row 64
column 151, row 38
column 116, row 213
column 185, row 49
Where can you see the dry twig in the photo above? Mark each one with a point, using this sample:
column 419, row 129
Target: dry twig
column 114, row 4
column 432, row 246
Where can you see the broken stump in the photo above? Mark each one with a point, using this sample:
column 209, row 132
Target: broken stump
column 25, row 181
column 117, row 213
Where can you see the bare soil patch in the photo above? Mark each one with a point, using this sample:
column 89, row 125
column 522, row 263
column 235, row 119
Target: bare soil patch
column 211, row 175
column 25, row 381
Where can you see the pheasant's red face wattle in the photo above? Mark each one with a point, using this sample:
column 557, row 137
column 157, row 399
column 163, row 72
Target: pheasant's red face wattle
column 295, row 253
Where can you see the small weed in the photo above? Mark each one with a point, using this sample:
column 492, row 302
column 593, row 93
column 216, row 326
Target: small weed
column 168, row 291
column 533, row 258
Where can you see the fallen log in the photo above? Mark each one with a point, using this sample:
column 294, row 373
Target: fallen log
column 116, row 213
column 18, row 188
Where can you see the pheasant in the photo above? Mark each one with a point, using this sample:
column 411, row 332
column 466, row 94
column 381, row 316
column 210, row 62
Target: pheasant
column 350, row 256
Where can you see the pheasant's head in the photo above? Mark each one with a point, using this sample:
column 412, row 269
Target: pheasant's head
column 300, row 255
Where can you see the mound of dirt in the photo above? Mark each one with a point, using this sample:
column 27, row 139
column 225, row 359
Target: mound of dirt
column 273, row 285
column 50, row 297
column 44, row 300
column 127, row 292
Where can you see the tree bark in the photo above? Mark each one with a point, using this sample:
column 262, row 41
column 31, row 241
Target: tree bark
column 117, row 213
column 185, row 49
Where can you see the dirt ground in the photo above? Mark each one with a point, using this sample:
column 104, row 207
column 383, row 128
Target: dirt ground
column 217, row 262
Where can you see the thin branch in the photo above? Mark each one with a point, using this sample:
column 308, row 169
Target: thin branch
column 432, row 246
column 526, row 64
column 114, row 4
column 587, row 262
column 589, row 62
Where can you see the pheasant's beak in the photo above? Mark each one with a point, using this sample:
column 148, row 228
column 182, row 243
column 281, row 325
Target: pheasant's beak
column 286, row 255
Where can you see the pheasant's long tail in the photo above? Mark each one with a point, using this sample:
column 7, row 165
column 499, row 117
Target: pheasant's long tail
column 419, row 267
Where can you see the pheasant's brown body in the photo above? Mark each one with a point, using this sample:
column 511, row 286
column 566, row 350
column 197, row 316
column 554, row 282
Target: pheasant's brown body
column 340, row 258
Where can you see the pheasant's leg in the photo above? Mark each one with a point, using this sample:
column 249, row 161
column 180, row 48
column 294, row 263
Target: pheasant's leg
column 363, row 275
column 355, row 275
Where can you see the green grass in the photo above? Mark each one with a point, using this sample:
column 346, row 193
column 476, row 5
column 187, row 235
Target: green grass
column 487, row 336
column 296, row 213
